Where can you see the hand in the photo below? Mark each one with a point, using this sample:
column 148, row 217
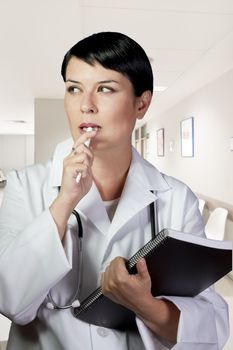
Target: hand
column 134, row 292
column 80, row 160
column 125, row 289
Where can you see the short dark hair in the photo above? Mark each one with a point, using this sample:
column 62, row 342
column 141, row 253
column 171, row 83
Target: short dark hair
column 114, row 51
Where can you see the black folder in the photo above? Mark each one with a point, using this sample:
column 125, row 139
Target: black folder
column 180, row 264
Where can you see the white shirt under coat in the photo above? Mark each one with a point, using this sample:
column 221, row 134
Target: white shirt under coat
column 33, row 259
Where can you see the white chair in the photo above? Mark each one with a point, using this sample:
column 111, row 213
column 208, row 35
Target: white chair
column 215, row 226
column 3, row 345
column 201, row 205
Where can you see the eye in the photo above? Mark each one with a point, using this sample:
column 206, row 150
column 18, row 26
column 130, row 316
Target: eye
column 105, row 89
column 73, row 89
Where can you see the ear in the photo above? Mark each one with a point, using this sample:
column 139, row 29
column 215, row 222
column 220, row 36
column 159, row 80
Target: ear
column 143, row 103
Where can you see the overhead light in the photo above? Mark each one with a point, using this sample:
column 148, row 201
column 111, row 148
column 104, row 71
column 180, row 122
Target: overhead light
column 15, row 121
column 160, row 88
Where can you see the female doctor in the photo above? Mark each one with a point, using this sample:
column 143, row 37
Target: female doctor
column 108, row 86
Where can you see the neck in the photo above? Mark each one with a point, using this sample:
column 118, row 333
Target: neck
column 110, row 171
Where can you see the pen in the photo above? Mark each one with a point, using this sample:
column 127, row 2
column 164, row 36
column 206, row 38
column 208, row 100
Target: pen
column 87, row 143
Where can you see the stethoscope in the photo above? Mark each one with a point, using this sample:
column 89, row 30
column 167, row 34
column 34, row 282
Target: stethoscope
column 51, row 304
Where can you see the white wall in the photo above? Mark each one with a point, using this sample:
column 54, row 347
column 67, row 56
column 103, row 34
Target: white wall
column 16, row 151
column 51, row 127
column 210, row 171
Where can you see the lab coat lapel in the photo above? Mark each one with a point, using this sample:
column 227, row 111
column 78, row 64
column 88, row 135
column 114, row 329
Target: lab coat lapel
column 141, row 183
column 93, row 208
column 134, row 198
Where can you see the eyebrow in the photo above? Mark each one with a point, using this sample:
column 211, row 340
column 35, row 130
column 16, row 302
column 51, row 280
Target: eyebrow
column 99, row 82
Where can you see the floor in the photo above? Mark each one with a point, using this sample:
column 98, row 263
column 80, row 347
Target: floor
column 223, row 287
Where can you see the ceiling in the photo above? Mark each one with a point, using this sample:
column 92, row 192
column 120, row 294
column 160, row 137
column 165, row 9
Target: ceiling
column 190, row 42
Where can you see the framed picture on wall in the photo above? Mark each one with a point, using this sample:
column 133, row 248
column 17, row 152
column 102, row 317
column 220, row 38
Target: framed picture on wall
column 160, row 142
column 187, row 137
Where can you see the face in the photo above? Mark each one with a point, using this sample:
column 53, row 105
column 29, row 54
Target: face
column 103, row 99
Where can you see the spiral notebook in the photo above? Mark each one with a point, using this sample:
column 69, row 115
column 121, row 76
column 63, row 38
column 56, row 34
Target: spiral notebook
column 180, row 264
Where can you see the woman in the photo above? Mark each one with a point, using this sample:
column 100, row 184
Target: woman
column 109, row 85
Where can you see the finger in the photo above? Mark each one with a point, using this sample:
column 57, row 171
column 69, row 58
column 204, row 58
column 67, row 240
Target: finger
column 81, row 167
column 102, row 279
column 85, row 170
column 85, row 157
column 142, row 269
column 87, row 166
column 116, row 266
column 116, row 273
column 81, row 149
column 79, row 164
column 105, row 281
column 84, row 174
column 74, row 170
column 120, row 264
column 76, row 163
column 84, row 138
column 81, row 159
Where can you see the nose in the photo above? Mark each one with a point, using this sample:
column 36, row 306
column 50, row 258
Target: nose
column 88, row 105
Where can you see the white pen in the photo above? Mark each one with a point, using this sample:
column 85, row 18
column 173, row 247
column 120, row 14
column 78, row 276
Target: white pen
column 87, row 143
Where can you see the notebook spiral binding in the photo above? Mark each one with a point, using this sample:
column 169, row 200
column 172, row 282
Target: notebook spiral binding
column 88, row 301
column 144, row 251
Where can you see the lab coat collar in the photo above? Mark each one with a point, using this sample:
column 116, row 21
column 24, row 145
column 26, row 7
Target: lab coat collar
column 145, row 174
column 142, row 178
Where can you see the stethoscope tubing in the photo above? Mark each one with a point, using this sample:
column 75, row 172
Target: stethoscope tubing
column 51, row 304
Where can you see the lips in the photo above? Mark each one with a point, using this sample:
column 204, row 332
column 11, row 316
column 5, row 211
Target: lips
column 87, row 126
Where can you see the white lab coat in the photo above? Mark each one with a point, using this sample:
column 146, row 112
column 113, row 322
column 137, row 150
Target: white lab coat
column 33, row 260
